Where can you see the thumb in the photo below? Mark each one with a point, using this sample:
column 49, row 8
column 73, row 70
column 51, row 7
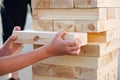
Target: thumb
column 17, row 28
column 61, row 34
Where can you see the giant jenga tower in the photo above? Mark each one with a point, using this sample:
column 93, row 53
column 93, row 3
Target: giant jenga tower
column 100, row 19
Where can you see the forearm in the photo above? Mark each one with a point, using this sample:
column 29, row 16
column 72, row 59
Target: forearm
column 16, row 62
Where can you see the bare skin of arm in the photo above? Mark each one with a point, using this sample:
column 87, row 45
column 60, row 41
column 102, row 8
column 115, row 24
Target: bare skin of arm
column 57, row 47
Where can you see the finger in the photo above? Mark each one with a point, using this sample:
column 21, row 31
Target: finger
column 17, row 28
column 78, row 42
column 74, row 52
column 61, row 34
column 75, row 48
column 70, row 43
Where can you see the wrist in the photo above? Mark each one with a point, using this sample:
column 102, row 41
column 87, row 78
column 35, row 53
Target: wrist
column 48, row 51
column 4, row 51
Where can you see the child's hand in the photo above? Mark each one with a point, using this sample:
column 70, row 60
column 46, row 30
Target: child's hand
column 10, row 46
column 58, row 46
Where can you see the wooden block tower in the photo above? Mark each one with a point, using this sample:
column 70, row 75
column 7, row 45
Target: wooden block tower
column 100, row 19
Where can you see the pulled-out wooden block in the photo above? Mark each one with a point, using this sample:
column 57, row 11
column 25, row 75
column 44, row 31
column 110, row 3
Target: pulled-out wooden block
column 99, row 48
column 74, row 3
column 44, row 37
column 70, row 14
column 104, row 36
column 63, row 72
column 80, row 61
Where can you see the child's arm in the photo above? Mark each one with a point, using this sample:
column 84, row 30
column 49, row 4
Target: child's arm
column 57, row 47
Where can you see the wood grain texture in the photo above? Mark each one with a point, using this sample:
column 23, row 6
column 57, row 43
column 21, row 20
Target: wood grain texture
column 61, row 4
column 96, row 26
column 40, row 3
column 74, row 3
column 70, row 14
column 44, row 37
column 96, row 3
column 66, row 25
column 43, row 25
column 62, row 72
column 104, row 36
column 42, row 69
column 111, row 13
column 79, row 61
column 76, row 25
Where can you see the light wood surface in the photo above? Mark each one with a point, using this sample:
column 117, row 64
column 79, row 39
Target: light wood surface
column 62, row 72
column 79, row 61
column 70, row 14
column 74, row 3
column 44, row 37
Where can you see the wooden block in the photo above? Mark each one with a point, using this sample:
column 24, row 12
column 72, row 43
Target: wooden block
column 99, row 48
column 42, row 69
column 62, row 72
column 96, row 26
column 111, row 13
column 74, row 3
column 104, row 36
column 37, row 77
column 40, row 3
column 52, row 4
column 44, row 37
column 85, row 3
column 77, row 26
column 118, row 12
column 43, row 25
column 79, row 61
column 113, row 75
column 61, row 4
column 70, row 14
column 96, row 3
column 66, row 25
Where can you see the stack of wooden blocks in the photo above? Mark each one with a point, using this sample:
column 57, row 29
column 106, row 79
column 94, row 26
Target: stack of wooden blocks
column 100, row 19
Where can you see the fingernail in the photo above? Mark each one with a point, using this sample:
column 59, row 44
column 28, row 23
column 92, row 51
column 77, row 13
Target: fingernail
column 13, row 37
